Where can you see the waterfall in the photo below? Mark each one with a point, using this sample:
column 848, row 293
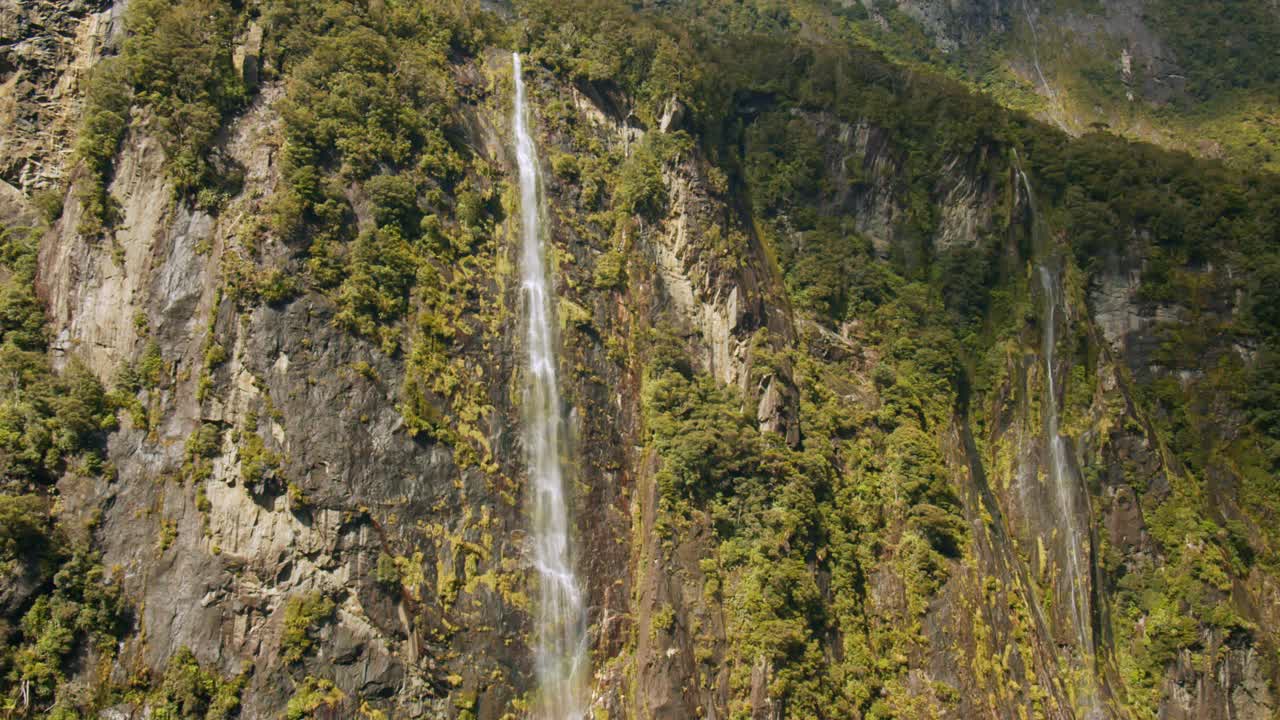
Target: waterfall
column 1035, row 58
column 560, row 623
column 1061, row 477
column 1069, row 499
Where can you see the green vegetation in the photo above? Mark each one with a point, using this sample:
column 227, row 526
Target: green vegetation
column 303, row 616
column 24, row 530
column 188, row 690
column 385, row 208
column 869, row 489
column 1222, row 45
column 178, row 59
column 205, row 442
column 605, row 43
column 387, row 572
column 82, row 609
column 640, row 188
column 369, row 98
column 1208, row 89
column 104, row 123
column 781, row 515
column 176, row 65
column 49, row 423
column 370, row 130
column 610, row 271
column 257, row 463
column 315, row 694
column 46, row 419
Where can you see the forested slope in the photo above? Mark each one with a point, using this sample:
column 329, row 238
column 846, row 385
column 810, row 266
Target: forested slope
column 820, row 313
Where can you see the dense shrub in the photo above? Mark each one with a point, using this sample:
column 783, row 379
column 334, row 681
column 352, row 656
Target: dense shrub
column 303, row 615
column 178, row 57
column 188, row 690
column 84, row 606
column 176, row 63
column 1221, row 45
column 45, row 418
column 313, row 695
column 108, row 97
column 25, row 527
column 783, row 517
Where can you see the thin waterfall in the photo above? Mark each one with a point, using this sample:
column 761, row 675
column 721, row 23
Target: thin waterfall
column 1060, row 474
column 560, row 629
column 1035, row 55
column 1061, row 477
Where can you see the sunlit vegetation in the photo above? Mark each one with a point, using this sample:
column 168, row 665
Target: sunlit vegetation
column 176, row 65
column 303, row 616
column 941, row 321
column 385, row 209
column 314, row 698
column 49, row 423
column 188, row 690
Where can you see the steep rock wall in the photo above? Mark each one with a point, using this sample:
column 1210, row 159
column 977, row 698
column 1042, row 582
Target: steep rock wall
column 308, row 479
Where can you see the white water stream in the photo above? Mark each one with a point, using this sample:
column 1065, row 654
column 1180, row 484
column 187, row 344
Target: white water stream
column 1061, row 476
column 560, row 622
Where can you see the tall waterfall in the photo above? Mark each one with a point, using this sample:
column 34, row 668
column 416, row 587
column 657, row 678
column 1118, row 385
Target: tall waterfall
column 1061, row 476
column 1070, row 502
column 561, row 638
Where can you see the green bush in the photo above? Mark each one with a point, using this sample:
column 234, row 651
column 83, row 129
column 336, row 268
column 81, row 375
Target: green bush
column 82, row 607
column 784, row 163
column 313, row 695
column 21, row 314
column 565, row 166
column 25, row 526
column 303, row 616
column 45, row 419
column 610, row 271
column 257, row 463
column 48, row 203
column 1220, row 45
column 387, row 573
column 188, row 690
column 178, row 57
column 641, row 189
column 108, row 97
column 205, row 442
column 176, row 63
column 375, row 294
column 707, row 443
column 395, row 201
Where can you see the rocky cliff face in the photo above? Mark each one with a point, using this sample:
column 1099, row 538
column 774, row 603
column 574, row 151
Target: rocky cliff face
column 48, row 49
column 784, row 509
column 1138, row 68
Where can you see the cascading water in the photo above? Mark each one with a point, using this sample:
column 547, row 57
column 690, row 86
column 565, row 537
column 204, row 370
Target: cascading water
column 1035, row 54
column 1068, row 498
column 1059, row 472
column 1061, row 476
column 561, row 638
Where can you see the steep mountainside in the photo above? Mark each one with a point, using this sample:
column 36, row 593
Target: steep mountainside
column 1189, row 74
column 883, row 400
